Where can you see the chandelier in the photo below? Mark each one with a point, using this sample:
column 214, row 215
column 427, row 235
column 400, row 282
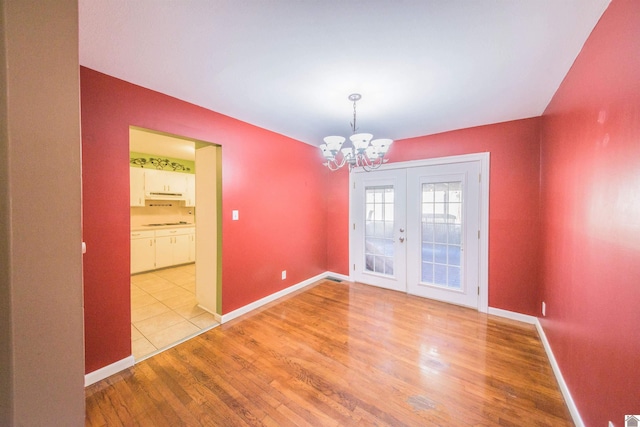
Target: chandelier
column 363, row 152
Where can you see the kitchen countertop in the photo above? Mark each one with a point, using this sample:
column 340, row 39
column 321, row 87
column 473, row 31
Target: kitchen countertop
column 160, row 227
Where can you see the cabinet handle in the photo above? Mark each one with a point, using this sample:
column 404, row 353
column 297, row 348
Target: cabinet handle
column 150, row 242
column 135, row 234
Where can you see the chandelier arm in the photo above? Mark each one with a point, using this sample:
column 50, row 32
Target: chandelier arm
column 366, row 163
column 375, row 165
column 333, row 164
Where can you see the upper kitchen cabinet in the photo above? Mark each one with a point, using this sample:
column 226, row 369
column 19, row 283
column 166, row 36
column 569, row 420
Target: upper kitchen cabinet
column 136, row 194
column 159, row 183
column 154, row 184
column 190, row 197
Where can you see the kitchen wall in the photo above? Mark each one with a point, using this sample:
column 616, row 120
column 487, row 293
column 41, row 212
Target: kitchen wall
column 160, row 212
column 143, row 160
column 513, row 204
column 280, row 195
column 590, row 173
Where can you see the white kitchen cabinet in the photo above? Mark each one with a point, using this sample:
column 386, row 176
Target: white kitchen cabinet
column 172, row 247
column 152, row 249
column 164, row 251
column 190, row 196
column 136, row 181
column 181, row 249
column 143, row 251
column 159, row 182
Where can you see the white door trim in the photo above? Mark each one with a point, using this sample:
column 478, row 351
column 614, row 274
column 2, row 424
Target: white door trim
column 484, row 159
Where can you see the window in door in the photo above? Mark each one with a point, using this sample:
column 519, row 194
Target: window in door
column 379, row 225
column 441, row 226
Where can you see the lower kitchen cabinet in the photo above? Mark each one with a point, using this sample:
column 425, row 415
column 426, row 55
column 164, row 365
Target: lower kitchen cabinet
column 143, row 251
column 161, row 248
column 164, row 251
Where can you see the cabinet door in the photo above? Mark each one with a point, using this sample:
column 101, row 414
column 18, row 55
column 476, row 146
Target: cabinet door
column 159, row 181
column 181, row 249
column 143, row 255
column 190, row 199
column 176, row 182
column 136, row 187
column 164, row 251
column 154, row 181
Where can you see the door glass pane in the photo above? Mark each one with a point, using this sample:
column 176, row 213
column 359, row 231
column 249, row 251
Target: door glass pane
column 378, row 234
column 441, row 234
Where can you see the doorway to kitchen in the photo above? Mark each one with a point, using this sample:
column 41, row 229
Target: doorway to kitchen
column 421, row 227
column 175, row 195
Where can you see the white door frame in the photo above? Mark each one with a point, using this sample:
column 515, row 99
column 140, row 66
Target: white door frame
column 483, row 262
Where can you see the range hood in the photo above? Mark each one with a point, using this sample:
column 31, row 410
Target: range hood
column 156, row 195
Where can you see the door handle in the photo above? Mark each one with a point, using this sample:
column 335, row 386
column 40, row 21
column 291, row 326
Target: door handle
column 401, row 239
column 402, row 230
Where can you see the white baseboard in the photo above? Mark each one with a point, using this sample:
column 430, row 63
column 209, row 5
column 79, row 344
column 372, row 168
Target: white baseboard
column 513, row 315
column 573, row 409
column 571, row 405
column 107, row 371
column 270, row 298
column 213, row 313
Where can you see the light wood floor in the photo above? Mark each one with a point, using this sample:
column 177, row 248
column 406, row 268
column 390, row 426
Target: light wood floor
column 339, row 354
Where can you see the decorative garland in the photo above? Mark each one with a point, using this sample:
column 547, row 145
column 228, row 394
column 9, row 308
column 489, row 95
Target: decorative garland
column 159, row 163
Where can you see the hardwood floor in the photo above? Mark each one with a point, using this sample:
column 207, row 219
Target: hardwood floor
column 338, row 354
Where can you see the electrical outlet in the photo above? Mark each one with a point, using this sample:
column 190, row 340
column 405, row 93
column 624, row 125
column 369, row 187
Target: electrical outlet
column 234, row 215
column 544, row 308
column 284, row 274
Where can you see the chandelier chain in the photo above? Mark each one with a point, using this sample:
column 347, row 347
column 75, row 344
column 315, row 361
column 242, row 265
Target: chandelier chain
column 353, row 125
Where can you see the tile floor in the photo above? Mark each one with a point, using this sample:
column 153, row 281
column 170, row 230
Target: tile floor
column 164, row 309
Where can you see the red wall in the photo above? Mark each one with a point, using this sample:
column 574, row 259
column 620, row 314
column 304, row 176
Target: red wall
column 513, row 202
column 338, row 221
column 280, row 193
column 590, row 158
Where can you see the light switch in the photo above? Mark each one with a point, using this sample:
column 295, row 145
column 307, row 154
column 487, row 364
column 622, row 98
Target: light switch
column 234, row 215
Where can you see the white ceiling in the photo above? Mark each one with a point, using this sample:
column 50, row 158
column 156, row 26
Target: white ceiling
column 422, row 66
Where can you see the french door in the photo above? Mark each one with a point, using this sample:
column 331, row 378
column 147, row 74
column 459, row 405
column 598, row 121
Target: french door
column 380, row 206
column 417, row 229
